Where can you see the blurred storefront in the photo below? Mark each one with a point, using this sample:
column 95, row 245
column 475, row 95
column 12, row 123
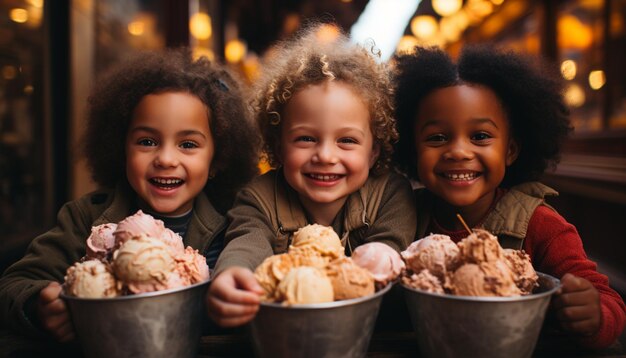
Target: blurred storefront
column 51, row 51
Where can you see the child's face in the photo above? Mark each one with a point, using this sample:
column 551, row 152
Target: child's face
column 463, row 144
column 169, row 148
column 326, row 147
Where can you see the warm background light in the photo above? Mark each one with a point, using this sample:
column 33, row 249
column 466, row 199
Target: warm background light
column 136, row 28
column 574, row 95
column 424, row 26
column 407, row 44
column 18, row 15
column 597, row 79
column 327, row 33
column 568, row 69
column 235, row 51
column 447, row 7
column 200, row 26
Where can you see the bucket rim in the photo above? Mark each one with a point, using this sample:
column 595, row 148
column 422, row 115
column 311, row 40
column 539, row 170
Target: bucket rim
column 328, row 305
column 532, row 296
column 135, row 296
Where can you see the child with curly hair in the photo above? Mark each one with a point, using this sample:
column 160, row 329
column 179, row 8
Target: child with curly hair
column 166, row 134
column 478, row 134
column 325, row 112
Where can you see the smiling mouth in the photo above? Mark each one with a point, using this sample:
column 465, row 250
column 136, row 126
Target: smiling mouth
column 467, row 176
column 166, row 183
column 324, row 177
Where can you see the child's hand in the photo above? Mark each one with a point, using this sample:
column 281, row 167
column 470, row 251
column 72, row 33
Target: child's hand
column 234, row 296
column 53, row 314
column 577, row 305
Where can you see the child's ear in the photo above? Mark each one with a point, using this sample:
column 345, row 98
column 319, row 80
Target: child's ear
column 374, row 155
column 512, row 152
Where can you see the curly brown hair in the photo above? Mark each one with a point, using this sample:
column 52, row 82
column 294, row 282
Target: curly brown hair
column 117, row 93
column 307, row 60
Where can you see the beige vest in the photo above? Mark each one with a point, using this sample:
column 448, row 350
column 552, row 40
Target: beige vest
column 508, row 220
column 282, row 206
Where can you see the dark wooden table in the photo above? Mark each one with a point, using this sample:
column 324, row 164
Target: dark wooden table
column 382, row 345
column 393, row 345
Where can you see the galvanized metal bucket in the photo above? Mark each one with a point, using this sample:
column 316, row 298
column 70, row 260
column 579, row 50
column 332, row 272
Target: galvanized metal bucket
column 335, row 329
column 462, row 326
column 156, row 324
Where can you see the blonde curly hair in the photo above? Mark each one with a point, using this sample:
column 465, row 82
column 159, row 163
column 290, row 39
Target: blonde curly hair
column 308, row 60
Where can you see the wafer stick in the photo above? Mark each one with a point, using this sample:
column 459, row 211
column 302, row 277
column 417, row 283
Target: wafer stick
column 464, row 224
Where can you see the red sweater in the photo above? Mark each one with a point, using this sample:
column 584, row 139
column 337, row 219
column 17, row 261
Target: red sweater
column 556, row 249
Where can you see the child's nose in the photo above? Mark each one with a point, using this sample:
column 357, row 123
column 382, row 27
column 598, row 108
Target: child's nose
column 326, row 153
column 166, row 157
column 458, row 150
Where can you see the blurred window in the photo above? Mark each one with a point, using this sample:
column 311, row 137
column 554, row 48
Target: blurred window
column 126, row 26
column 22, row 140
column 581, row 53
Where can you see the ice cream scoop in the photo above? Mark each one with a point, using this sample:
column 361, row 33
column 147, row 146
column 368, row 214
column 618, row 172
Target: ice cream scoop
column 143, row 264
column 91, row 279
column 383, row 262
column 305, row 285
column 490, row 278
column 479, row 247
column 101, row 241
column 435, row 253
column 191, row 266
column 424, row 281
column 525, row 276
column 349, row 280
column 322, row 239
column 138, row 224
column 271, row 271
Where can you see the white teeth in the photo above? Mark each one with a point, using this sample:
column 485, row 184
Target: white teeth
column 462, row 176
column 167, row 181
column 324, row 177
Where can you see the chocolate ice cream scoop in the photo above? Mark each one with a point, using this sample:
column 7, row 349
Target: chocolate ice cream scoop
column 435, row 253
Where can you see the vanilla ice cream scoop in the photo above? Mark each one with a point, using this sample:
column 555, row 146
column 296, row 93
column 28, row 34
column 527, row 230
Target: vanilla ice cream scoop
column 138, row 224
column 91, row 279
column 383, row 262
column 101, row 241
column 436, row 253
column 143, row 264
column 349, row 280
column 322, row 239
column 305, row 285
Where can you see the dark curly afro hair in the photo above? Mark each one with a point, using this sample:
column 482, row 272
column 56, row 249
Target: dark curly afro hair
column 115, row 96
column 529, row 90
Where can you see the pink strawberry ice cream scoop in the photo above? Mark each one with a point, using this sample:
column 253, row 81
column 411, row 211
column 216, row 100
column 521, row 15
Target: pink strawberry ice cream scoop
column 435, row 253
column 138, row 224
column 383, row 262
column 101, row 241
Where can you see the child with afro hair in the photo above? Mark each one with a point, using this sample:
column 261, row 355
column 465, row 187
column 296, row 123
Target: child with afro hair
column 166, row 134
column 478, row 134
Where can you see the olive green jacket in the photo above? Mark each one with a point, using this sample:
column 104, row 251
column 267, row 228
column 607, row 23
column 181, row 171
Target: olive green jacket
column 49, row 255
column 268, row 212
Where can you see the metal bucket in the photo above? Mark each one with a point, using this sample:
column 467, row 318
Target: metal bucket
column 462, row 326
column 334, row 329
column 156, row 324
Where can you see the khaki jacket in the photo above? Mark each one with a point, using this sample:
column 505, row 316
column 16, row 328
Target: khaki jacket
column 509, row 218
column 268, row 212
